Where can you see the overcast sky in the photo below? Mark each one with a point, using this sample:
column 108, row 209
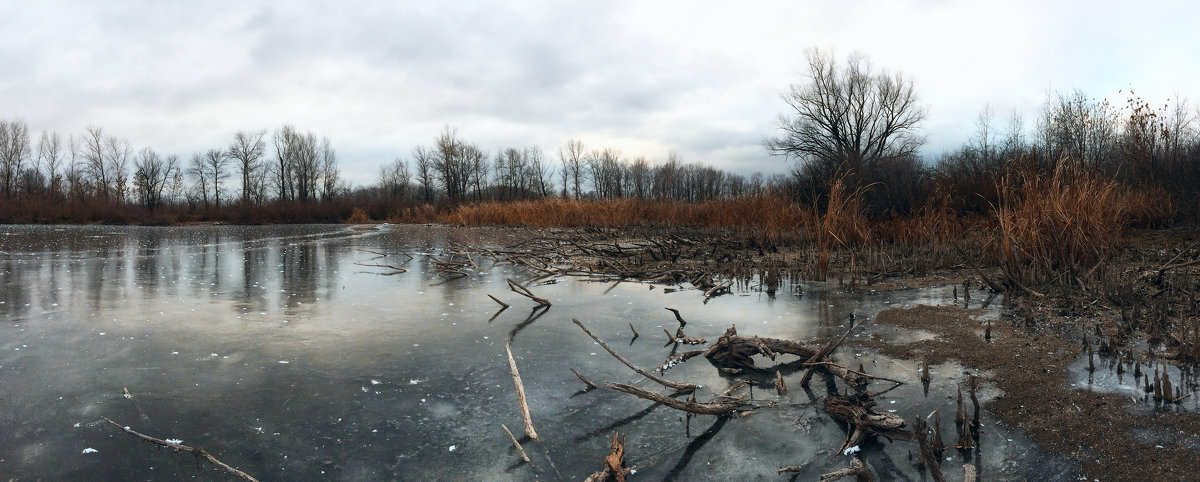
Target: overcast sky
column 647, row 77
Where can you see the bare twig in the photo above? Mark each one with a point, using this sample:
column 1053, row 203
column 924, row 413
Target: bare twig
column 497, row 300
column 711, row 408
column 516, row 444
column 178, row 447
column 584, row 379
column 388, row 266
column 512, row 365
column 523, row 291
column 687, row 387
column 825, row 352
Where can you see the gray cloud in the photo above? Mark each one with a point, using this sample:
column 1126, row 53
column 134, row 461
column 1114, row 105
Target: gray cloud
column 646, row 77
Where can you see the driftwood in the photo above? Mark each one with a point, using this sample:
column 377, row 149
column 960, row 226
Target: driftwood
column 179, row 447
column 780, row 387
column 614, row 464
column 585, row 381
column 686, row 387
column 856, row 470
column 673, row 360
column 516, row 444
column 497, row 300
column 855, row 383
column 388, row 266
column 523, row 291
column 520, row 386
column 865, row 421
column 928, row 457
column 710, row 408
column 732, row 350
column 686, row 340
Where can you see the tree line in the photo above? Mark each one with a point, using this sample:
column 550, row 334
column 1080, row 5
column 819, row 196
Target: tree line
column 96, row 174
column 456, row 170
column 847, row 122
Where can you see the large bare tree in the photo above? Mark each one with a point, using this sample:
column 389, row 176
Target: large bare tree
column 247, row 151
column 848, row 117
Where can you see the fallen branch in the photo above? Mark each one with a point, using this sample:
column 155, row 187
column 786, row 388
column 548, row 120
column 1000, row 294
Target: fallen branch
column 856, row 470
column 523, row 291
column 516, row 444
column 920, row 432
column 497, row 300
column 512, row 365
column 864, row 420
column 614, row 464
column 179, row 447
column 711, row 408
column 388, row 266
column 825, row 352
column 584, row 379
column 685, row 387
column 673, row 360
column 686, row 340
column 732, row 350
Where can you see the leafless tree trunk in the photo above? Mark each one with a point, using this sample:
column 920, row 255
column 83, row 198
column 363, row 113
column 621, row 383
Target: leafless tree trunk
column 247, row 150
column 847, row 118
column 572, row 155
column 51, row 155
column 215, row 164
column 425, row 171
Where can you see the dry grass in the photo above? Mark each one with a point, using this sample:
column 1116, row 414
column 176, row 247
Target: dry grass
column 358, row 216
column 765, row 217
column 1066, row 220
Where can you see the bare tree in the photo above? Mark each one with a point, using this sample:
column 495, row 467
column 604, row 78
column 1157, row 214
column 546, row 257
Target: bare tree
column 247, row 150
column 117, row 154
column 540, row 171
column 216, row 163
column 639, row 178
column 847, row 118
column 394, row 179
column 329, row 170
column 198, row 171
column 14, row 153
column 572, row 155
column 425, row 171
column 152, row 175
column 94, row 166
column 50, row 154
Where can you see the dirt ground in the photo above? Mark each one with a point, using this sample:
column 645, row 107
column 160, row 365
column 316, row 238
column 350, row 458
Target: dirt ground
column 1030, row 368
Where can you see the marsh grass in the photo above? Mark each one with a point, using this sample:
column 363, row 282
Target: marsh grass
column 1063, row 223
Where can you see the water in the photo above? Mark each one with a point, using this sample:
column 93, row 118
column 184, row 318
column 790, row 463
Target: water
column 279, row 351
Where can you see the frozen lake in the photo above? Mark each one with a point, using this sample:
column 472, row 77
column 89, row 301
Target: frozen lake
column 280, row 350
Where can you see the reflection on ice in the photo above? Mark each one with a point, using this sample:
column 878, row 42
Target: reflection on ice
column 272, row 348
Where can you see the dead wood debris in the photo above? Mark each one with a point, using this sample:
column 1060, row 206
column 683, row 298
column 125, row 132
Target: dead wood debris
column 520, row 386
column 503, row 305
column 179, row 447
column 589, row 383
column 685, row 387
column 699, row 408
column 523, row 291
column 927, row 457
column 614, row 464
column 856, row 470
column 857, row 412
column 520, row 450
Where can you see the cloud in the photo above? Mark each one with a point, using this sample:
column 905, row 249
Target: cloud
column 699, row 78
